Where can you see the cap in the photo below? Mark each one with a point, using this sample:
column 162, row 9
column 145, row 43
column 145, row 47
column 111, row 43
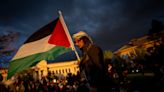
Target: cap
column 80, row 34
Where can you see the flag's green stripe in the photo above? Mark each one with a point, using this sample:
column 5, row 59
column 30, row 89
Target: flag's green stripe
column 26, row 62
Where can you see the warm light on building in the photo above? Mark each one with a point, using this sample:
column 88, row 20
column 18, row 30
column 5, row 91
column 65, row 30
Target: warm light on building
column 58, row 68
column 142, row 42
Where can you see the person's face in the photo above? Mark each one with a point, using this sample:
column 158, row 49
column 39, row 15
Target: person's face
column 79, row 43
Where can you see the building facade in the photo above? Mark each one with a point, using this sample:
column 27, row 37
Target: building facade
column 57, row 68
column 143, row 44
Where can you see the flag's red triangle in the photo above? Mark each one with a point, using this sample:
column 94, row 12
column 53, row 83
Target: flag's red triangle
column 59, row 36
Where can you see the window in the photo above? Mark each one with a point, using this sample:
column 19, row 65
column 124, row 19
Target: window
column 63, row 70
column 69, row 70
column 56, row 71
column 59, row 71
column 66, row 71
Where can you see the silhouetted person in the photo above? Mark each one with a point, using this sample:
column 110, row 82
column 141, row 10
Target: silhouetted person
column 92, row 66
column 2, row 86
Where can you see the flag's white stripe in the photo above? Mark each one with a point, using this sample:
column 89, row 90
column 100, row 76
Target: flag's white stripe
column 31, row 48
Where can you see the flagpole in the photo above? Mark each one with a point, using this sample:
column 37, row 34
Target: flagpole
column 68, row 35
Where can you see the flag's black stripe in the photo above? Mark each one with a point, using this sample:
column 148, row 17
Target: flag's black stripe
column 42, row 32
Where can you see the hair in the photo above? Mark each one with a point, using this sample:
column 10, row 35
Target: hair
column 1, row 77
column 85, row 39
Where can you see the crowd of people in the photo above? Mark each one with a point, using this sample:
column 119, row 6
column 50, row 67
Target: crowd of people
column 26, row 82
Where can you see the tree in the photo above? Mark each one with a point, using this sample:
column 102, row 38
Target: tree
column 108, row 55
column 156, row 27
column 6, row 50
column 155, row 32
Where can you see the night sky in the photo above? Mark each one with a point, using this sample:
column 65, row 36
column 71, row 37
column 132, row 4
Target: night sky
column 111, row 23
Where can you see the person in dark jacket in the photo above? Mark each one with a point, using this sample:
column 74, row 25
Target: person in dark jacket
column 92, row 67
column 2, row 85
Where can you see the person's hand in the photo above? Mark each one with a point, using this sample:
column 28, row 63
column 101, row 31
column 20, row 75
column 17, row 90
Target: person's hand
column 77, row 63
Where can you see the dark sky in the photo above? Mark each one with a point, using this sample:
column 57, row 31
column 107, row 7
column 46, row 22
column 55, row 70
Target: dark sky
column 111, row 23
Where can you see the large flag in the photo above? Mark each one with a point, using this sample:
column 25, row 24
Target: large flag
column 47, row 43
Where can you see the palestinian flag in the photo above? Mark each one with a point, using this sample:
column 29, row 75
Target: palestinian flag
column 46, row 44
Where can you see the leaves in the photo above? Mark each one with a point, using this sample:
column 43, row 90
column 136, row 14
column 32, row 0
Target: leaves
column 6, row 48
